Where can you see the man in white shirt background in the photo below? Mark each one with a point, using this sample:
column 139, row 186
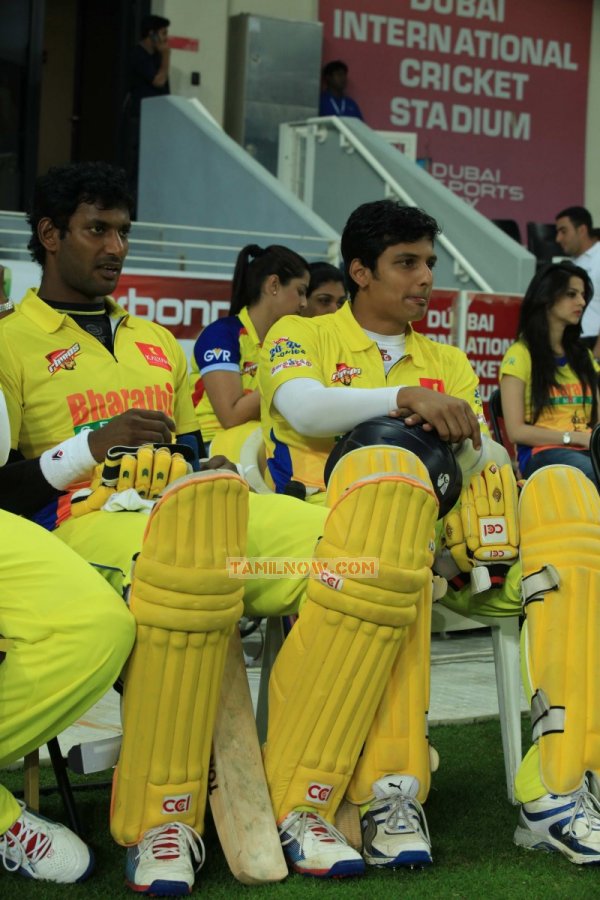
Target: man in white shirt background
column 579, row 240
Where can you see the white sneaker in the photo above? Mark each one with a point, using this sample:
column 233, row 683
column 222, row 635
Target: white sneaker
column 394, row 827
column 44, row 850
column 568, row 824
column 313, row 846
column 161, row 864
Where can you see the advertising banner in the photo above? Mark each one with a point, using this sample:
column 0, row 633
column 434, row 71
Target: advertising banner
column 491, row 88
column 492, row 321
column 440, row 322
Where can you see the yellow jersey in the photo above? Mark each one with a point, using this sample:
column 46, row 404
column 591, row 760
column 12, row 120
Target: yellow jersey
column 59, row 380
column 337, row 352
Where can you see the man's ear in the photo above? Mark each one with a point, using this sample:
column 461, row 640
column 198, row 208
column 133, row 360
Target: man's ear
column 360, row 273
column 48, row 234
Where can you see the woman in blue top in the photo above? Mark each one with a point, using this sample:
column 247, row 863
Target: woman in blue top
column 267, row 284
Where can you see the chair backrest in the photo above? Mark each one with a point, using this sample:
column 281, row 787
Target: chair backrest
column 541, row 241
column 509, row 227
column 497, row 423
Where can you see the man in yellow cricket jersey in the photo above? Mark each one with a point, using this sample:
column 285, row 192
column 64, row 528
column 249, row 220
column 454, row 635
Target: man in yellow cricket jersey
column 64, row 637
column 353, row 723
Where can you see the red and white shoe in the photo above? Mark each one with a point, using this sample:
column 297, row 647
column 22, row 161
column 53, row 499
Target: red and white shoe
column 165, row 862
column 45, row 851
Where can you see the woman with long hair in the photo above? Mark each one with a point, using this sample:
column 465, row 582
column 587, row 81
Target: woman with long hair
column 267, row 284
column 549, row 378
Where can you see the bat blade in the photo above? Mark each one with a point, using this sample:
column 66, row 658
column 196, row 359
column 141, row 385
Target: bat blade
column 347, row 820
column 237, row 789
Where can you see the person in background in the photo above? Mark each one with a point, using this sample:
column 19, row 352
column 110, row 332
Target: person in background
column 579, row 240
column 326, row 291
column 149, row 77
column 548, row 378
column 267, row 283
column 334, row 100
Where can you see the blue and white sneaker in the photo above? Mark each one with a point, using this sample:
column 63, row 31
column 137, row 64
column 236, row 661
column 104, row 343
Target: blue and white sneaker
column 567, row 824
column 165, row 861
column 394, row 827
column 313, row 846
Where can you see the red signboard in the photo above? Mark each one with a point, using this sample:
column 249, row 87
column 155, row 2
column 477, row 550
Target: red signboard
column 492, row 321
column 492, row 89
column 440, row 322
column 184, row 305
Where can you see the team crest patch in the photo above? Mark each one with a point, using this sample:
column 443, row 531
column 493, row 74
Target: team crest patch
column 434, row 384
column 154, row 355
column 249, row 368
column 282, row 347
column 345, row 373
column 63, row 359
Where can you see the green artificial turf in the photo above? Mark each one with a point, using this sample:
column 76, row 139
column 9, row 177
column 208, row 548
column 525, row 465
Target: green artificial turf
column 471, row 825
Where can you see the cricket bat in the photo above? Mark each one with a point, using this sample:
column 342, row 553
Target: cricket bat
column 237, row 788
column 347, row 820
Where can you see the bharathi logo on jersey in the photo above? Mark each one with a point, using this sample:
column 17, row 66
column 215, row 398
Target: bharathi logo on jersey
column 62, row 359
column 345, row 373
column 154, row 355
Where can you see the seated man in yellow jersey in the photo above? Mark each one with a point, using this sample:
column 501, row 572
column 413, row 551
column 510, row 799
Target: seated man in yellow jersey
column 358, row 732
column 64, row 637
column 81, row 376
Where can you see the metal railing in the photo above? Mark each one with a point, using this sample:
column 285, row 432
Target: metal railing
column 191, row 249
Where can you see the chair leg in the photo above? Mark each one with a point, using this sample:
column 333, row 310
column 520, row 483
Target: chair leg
column 505, row 639
column 31, row 788
column 64, row 785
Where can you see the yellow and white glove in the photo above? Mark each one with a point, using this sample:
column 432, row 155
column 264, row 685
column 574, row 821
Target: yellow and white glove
column 482, row 531
column 146, row 470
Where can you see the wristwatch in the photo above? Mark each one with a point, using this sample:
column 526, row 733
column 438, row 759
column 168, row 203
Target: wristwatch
column 567, row 437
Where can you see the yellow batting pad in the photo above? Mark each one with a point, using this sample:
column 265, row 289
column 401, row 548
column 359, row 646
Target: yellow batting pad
column 559, row 513
column 331, row 672
column 398, row 739
column 483, row 528
column 186, row 607
column 377, row 458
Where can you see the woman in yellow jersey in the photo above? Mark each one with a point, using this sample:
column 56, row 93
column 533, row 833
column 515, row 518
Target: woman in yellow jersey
column 548, row 378
column 326, row 290
column 267, row 284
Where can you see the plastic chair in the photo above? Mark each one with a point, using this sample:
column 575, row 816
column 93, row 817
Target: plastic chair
column 505, row 634
column 499, row 427
column 541, row 241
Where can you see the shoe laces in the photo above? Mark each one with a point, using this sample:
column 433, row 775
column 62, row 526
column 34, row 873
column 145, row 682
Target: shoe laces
column 167, row 842
column 586, row 812
column 301, row 821
column 406, row 813
column 28, row 843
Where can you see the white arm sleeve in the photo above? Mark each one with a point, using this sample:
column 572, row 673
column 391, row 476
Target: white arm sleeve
column 317, row 411
column 4, row 431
